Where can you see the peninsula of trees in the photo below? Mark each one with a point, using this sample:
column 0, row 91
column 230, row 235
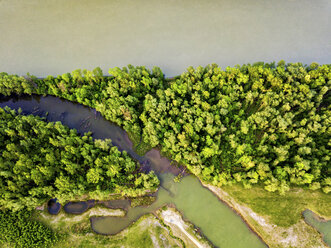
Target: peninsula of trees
column 42, row 160
column 261, row 123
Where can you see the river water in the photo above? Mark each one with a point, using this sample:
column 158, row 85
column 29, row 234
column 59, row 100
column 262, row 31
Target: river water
column 47, row 37
column 218, row 222
column 323, row 226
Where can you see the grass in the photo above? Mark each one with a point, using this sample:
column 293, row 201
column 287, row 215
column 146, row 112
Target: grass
column 142, row 201
column 77, row 232
column 142, row 148
column 278, row 218
column 282, row 210
column 139, row 146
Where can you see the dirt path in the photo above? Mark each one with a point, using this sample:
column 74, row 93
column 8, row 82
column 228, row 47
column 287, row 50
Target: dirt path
column 172, row 218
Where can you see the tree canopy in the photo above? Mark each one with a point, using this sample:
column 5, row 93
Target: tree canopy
column 260, row 123
column 17, row 229
column 42, row 160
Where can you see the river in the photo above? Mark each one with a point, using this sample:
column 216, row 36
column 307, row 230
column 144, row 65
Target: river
column 54, row 37
column 222, row 226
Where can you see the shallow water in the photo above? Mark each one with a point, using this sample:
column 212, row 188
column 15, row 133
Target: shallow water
column 322, row 226
column 78, row 207
column 116, row 204
column 55, row 37
column 200, row 206
column 53, row 206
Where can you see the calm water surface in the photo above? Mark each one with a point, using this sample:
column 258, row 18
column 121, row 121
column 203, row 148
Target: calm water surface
column 323, row 226
column 217, row 221
column 46, row 37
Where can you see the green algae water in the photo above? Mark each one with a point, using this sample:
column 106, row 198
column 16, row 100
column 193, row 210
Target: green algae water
column 50, row 37
column 322, row 226
column 217, row 222
column 198, row 205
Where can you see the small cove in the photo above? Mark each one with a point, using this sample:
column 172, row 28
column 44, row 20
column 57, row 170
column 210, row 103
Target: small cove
column 78, row 207
column 222, row 226
column 53, row 206
column 321, row 225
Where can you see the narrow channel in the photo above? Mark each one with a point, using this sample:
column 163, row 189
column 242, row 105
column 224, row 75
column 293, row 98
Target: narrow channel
column 322, row 226
column 222, row 226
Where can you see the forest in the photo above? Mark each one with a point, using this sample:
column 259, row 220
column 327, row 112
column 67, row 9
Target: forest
column 17, row 229
column 42, row 160
column 252, row 124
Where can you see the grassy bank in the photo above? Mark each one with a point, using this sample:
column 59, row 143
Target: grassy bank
column 282, row 210
column 277, row 219
column 165, row 228
column 75, row 231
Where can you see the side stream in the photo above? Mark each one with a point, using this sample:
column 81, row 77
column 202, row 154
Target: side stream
column 222, row 226
column 322, row 226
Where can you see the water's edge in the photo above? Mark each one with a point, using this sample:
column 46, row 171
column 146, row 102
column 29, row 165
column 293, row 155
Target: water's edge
column 318, row 218
column 4, row 101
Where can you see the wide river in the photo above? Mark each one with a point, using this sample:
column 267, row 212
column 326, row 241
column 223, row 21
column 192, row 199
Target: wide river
column 222, row 226
column 50, row 37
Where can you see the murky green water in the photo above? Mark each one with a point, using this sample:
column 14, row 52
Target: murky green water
column 197, row 204
column 323, row 226
column 49, row 37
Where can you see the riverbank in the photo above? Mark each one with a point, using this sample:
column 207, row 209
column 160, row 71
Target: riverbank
column 322, row 225
column 210, row 215
column 164, row 228
column 184, row 230
column 244, row 198
column 75, row 218
column 289, row 230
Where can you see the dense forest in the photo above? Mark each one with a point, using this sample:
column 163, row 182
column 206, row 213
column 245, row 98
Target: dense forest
column 42, row 160
column 261, row 123
column 17, row 229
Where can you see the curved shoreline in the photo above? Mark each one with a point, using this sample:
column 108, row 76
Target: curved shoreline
column 129, row 143
column 132, row 223
column 229, row 205
column 204, row 185
column 236, row 211
column 157, row 215
column 241, row 210
column 320, row 219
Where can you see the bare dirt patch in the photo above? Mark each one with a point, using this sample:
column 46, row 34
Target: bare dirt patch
column 178, row 226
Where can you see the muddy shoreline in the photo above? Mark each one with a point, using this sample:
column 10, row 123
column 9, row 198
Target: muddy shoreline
column 236, row 211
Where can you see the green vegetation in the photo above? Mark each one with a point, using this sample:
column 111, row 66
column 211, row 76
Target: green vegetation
column 41, row 160
column 18, row 230
column 282, row 210
column 252, row 124
column 142, row 201
column 118, row 98
column 249, row 124
column 265, row 126
column 78, row 233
